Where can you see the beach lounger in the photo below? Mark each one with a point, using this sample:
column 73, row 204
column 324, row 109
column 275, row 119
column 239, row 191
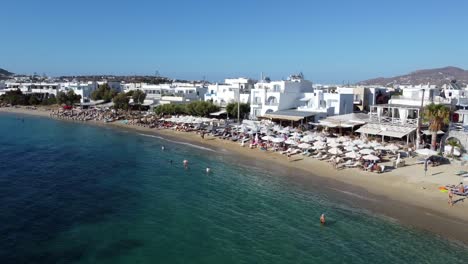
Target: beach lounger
column 354, row 165
column 286, row 151
column 323, row 157
column 318, row 156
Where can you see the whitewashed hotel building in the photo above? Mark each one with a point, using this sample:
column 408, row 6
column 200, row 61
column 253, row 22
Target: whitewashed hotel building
column 231, row 91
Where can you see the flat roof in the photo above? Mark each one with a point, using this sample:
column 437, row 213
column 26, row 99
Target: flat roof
column 290, row 114
column 397, row 106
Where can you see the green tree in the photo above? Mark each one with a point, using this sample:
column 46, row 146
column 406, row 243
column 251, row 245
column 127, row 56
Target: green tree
column 121, row 101
column 33, row 100
column 103, row 92
column 437, row 116
column 453, row 143
column 138, row 96
column 14, row 97
column 69, row 98
column 201, row 108
column 231, row 109
column 170, row 109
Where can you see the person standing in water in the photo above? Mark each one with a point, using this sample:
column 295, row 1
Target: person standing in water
column 185, row 163
column 322, row 219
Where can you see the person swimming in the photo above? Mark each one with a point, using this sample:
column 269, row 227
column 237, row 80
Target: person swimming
column 185, row 163
column 208, row 170
column 162, row 148
column 322, row 219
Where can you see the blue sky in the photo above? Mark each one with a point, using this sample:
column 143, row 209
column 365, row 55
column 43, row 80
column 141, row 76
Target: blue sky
column 329, row 41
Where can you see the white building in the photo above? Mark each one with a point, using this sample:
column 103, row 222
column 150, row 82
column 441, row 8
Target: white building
column 231, row 91
column 42, row 89
column 296, row 100
column 169, row 93
column 81, row 88
column 413, row 96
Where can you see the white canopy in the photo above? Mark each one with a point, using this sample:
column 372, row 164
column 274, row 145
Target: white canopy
column 371, row 157
column 335, row 151
column 426, row 152
column 304, row 146
column 352, row 155
column 366, row 151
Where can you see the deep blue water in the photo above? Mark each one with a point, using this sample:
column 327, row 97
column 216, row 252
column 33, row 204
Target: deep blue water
column 76, row 193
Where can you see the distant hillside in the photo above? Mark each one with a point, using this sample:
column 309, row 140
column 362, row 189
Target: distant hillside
column 433, row 76
column 4, row 74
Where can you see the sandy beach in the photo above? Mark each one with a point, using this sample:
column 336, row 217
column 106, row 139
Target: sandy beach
column 404, row 194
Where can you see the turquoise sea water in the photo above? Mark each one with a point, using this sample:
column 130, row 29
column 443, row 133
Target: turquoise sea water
column 75, row 193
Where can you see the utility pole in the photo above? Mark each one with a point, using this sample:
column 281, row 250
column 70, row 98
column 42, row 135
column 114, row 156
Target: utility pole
column 238, row 107
column 418, row 130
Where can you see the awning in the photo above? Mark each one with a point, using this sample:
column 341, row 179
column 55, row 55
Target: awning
column 386, row 130
column 290, row 115
column 366, row 130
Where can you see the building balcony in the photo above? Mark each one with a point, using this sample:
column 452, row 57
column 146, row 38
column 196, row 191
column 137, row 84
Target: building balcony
column 271, row 104
column 373, row 118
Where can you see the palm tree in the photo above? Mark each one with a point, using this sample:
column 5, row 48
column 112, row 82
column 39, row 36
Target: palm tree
column 437, row 116
column 453, row 143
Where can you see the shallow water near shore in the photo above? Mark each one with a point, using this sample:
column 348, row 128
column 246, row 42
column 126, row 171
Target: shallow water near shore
column 73, row 193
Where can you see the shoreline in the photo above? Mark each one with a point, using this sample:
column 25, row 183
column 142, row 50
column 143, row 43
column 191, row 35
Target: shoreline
column 398, row 194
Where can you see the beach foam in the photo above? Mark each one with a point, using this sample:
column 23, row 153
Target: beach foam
column 178, row 142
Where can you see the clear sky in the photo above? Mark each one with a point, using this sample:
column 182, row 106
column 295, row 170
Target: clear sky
column 329, row 41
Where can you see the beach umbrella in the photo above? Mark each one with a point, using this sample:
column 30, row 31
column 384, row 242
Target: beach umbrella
column 290, row 142
column 358, row 142
column 320, row 138
column 364, row 146
column 366, row 151
column 342, row 139
column 426, row 152
column 304, row 146
column 319, row 147
column 351, row 148
column 380, row 148
column 352, row 155
column 334, row 144
column 296, row 135
column 392, row 147
column 335, row 151
column 307, row 138
column 267, row 138
column 371, row 157
column 277, row 140
column 320, row 143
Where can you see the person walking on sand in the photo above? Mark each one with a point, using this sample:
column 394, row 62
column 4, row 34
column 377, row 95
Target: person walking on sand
column 450, row 199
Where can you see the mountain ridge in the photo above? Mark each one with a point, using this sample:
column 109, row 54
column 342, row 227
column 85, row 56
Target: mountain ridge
column 437, row 76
